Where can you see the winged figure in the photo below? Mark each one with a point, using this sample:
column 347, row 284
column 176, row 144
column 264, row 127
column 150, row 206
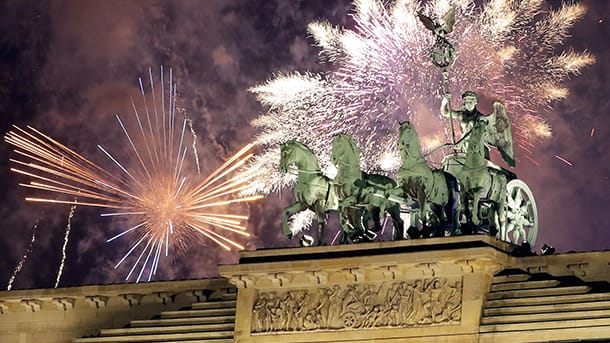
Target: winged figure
column 498, row 132
column 442, row 52
column 440, row 28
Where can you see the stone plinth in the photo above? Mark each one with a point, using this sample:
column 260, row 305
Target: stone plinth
column 422, row 290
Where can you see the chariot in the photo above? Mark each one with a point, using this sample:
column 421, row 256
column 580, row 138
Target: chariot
column 468, row 194
column 520, row 206
column 481, row 195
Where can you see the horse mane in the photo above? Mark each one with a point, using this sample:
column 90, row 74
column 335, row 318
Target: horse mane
column 299, row 145
column 348, row 141
column 296, row 144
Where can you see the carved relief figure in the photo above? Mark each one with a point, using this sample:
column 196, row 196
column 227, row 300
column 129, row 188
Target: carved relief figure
column 393, row 299
column 260, row 311
column 396, row 304
column 420, row 304
column 406, row 303
column 333, row 314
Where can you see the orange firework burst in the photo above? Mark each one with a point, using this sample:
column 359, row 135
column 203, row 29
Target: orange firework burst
column 156, row 191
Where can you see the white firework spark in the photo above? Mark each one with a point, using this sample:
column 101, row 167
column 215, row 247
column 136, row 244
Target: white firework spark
column 65, row 245
column 25, row 256
column 381, row 74
column 301, row 221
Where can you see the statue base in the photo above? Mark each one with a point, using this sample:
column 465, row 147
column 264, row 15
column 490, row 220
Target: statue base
column 390, row 291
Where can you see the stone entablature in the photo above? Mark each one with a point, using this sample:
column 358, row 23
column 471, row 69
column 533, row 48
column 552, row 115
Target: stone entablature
column 59, row 315
column 367, row 262
column 385, row 290
column 354, row 293
column 99, row 296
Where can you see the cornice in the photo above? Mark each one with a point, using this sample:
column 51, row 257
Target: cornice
column 101, row 296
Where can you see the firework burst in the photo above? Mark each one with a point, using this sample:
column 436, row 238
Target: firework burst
column 381, row 74
column 157, row 193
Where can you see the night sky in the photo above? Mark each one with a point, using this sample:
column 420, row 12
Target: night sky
column 69, row 66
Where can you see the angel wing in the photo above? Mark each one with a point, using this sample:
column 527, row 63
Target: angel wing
column 500, row 134
column 449, row 20
column 433, row 24
column 427, row 21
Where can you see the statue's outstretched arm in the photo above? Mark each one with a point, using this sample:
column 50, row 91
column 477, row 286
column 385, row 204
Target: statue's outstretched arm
column 446, row 110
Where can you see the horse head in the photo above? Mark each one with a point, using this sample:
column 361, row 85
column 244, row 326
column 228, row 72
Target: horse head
column 294, row 152
column 345, row 150
column 408, row 140
column 286, row 155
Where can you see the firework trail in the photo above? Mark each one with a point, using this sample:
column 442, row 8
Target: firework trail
column 563, row 160
column 380, row 73
column 28, row 250
column 194, row 145
column 65, row 245
column 157, row 195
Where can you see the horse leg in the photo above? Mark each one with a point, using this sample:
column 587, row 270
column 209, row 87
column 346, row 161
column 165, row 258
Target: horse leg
column 346, row 223
column 421, row 199
column 320, row 231
column 427, row 213
column 346, row 227
column 449, row 212
column 381, row 212
column 376, row 215
column 467, row 227
column 476, row 197
column 398, row 225
column 456, row 208
column 294, row 208
column 452, row 204
column 321, row 214
column 353, row 225
column 448, row 220
column 439, row 220
column 321, row 223
column 366, row 234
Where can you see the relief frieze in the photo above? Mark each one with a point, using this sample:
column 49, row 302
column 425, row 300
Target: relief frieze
column 419, row 302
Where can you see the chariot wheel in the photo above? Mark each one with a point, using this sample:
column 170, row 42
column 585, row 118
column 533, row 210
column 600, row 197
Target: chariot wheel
column 349, row 320
column 521, row 214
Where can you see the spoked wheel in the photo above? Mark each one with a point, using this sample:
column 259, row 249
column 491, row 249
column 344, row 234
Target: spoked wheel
column 349, row 320
column 521, row 214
